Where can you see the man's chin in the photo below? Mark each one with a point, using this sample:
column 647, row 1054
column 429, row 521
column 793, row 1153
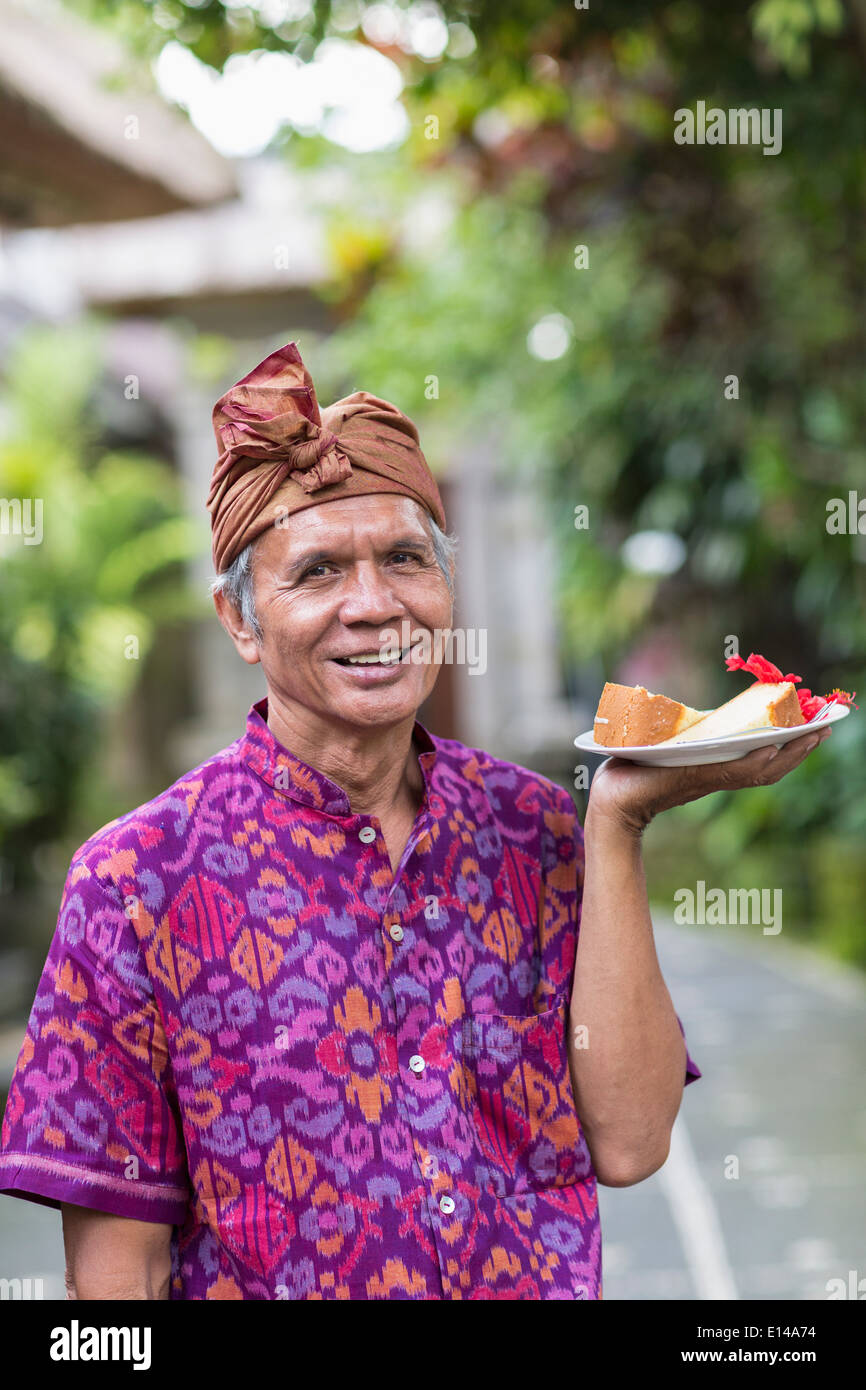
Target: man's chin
column 373, row 705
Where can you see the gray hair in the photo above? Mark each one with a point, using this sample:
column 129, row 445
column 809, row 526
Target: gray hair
column 237, row 581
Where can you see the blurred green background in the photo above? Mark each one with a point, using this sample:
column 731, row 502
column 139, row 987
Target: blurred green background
column 603, row 386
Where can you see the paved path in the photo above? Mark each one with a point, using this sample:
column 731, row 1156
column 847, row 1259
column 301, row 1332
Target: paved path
column 781, row 1040
column 780, row 1037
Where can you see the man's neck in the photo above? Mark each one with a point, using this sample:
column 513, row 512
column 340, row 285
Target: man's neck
column 377, row 768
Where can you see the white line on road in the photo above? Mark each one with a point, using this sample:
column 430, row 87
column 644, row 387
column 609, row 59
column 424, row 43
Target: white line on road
column 696, row 1219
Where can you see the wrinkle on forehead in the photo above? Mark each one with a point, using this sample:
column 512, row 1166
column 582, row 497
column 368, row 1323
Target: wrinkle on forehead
column 349, row 527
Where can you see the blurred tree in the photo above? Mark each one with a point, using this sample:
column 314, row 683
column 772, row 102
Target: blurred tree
column 82, row 602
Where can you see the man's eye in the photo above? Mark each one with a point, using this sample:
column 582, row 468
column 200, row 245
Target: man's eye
column 315, row 571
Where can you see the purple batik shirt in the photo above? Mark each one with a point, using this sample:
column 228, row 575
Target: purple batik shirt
column 333, row 1081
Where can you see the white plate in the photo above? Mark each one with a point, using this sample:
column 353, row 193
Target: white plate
column 710, row 750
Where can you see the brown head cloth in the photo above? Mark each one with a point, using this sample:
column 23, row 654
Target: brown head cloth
column 280, row 454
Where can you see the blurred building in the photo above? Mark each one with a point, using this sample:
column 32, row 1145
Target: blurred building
column 78, row 148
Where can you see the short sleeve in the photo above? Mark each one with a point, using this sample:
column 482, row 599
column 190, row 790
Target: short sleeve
column 92, row 1116
column 693, row 1072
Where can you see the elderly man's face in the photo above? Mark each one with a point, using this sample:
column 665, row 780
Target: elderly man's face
column 328, row 583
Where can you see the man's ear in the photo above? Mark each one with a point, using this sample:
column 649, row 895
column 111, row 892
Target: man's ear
column 243, row 638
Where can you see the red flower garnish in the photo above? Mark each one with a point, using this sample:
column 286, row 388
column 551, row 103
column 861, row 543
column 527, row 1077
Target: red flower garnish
column 810, row 705
column 759, row 666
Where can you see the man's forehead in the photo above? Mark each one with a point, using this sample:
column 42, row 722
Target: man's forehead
column 376, row 519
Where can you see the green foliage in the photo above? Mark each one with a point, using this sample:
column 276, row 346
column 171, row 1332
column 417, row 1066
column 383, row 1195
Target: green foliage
column 786, row 26
column 508, row 33
column 80, row 609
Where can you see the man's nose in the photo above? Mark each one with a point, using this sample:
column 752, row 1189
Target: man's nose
column 369, row 597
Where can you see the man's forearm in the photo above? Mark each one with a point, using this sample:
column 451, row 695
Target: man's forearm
column 628, row 1057
column 115, row 1257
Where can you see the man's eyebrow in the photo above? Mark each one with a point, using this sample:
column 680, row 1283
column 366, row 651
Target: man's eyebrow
column 315, row 557
column 306, row 561
column 409, row 543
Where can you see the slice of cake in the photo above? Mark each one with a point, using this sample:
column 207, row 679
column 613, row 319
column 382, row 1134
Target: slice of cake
column 628, row 715
column 763, row 704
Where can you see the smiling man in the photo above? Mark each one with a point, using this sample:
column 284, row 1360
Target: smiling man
column 314, row 1023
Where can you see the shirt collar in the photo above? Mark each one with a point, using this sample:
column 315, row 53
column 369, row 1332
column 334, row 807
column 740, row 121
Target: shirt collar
column 299, row 781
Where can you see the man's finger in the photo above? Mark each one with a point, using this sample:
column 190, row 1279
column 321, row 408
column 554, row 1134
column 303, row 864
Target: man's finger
column 776, row 763
column 794, row 752
column 762, row 766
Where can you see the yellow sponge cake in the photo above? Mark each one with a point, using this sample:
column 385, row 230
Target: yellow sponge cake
column 628, row 715
column 763, row 704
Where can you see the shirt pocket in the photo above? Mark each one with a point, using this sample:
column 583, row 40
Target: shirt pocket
column 516, row 1088
column 255, row 1231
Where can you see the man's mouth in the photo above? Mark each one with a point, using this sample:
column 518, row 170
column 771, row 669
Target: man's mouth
column 386, row 657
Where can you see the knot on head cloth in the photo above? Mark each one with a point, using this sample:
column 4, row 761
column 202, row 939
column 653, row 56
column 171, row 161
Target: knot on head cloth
column 279, row 453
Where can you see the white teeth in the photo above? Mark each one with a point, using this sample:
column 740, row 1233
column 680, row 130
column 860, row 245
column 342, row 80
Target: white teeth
column 375, row 659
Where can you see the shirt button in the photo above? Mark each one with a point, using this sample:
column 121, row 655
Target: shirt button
column 368, row 834
column 446, row 1205
column 416, row 1063
column 395, row 931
